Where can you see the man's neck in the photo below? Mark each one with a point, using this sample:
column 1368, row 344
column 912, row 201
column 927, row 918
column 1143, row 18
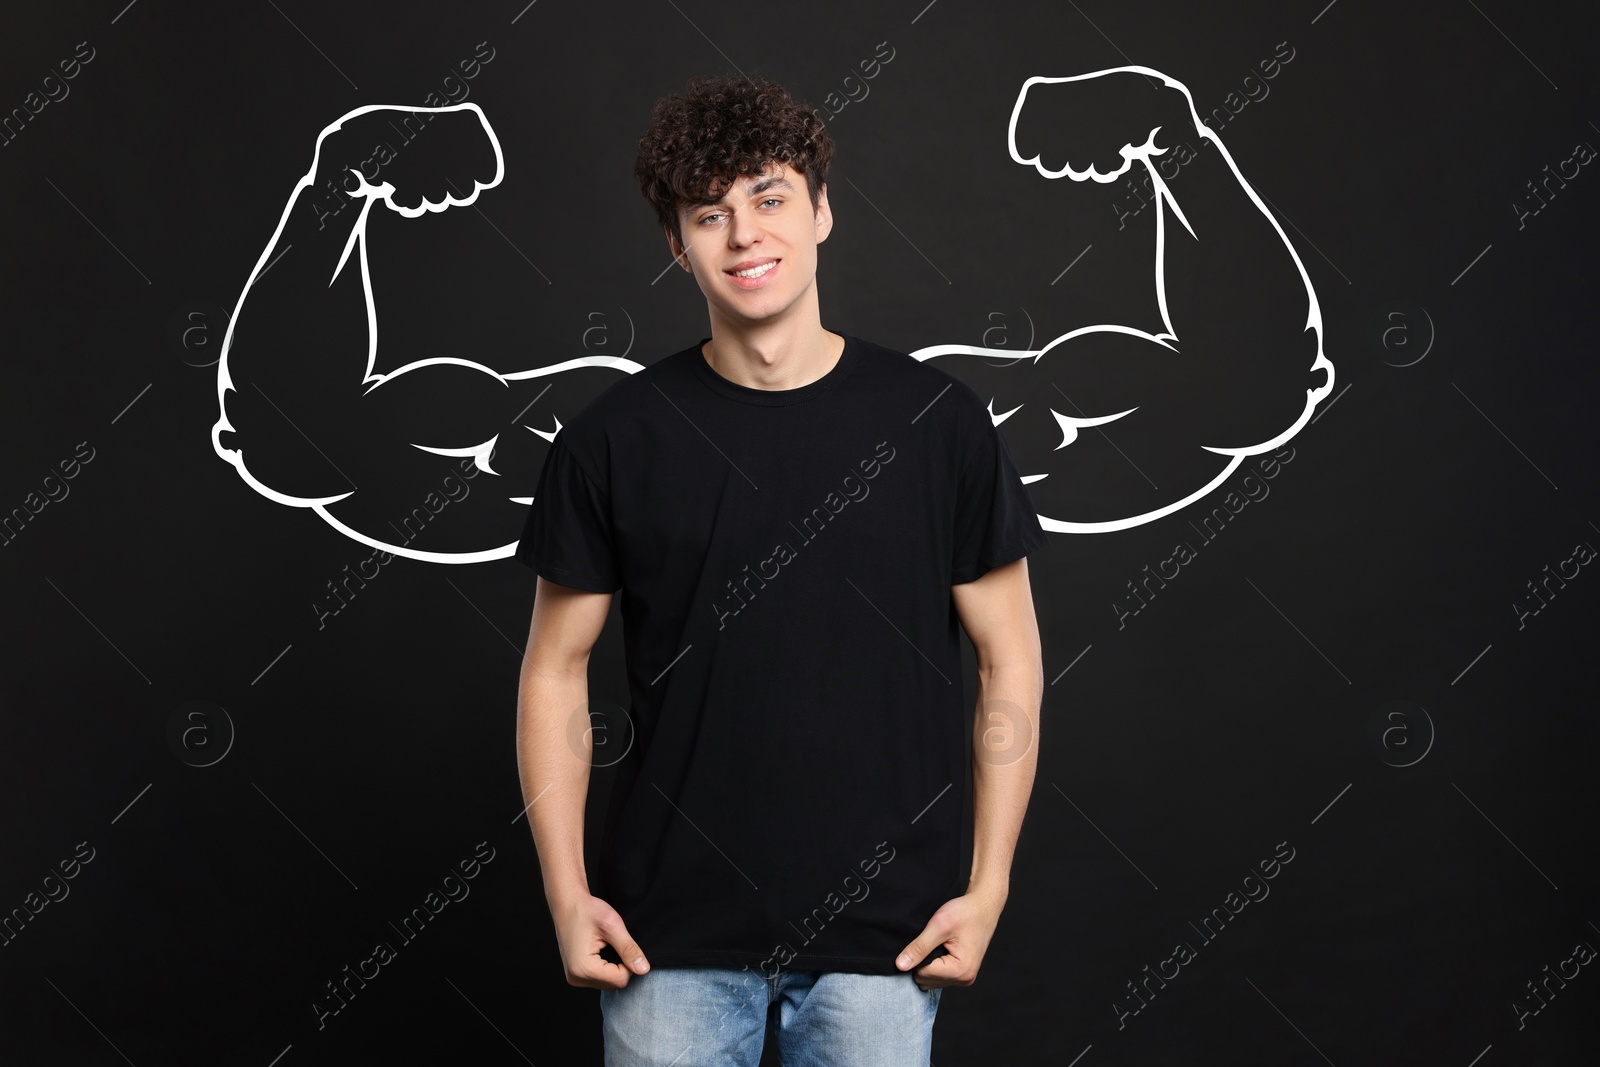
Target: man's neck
column 773, row 355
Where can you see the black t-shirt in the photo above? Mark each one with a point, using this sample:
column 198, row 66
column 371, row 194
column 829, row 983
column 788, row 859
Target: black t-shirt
column 792, row 798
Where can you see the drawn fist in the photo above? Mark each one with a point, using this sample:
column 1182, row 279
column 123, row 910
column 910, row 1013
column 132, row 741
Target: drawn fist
column 1080, row 126
column 414, row 159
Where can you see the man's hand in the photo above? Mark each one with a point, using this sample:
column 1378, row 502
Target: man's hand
column 964, row 927
column 584, row 925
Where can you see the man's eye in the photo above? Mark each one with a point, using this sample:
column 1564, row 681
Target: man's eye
column 708, row 218
column 772, row 200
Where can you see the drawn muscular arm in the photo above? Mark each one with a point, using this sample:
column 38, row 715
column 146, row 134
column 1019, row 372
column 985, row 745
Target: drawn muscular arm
column 1232, row 296
column 299, row 357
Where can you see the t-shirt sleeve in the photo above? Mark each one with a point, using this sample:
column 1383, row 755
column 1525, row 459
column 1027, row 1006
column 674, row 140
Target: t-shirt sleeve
column 996, row 521
column 567, row 538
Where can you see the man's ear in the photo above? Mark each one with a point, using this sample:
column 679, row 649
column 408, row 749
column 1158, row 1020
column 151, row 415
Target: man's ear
column 824, row 214
column 676, row 247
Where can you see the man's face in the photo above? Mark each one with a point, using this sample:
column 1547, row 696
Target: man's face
column 754, row 252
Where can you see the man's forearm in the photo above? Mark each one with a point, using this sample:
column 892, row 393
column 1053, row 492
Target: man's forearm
column 553, row 763
column 1005, row 754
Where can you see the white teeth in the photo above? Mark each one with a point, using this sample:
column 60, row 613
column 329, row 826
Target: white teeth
column 755, row 272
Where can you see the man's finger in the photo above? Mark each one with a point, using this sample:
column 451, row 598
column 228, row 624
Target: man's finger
column 631, row 955
column 945, row 969
column 616, row 935
column 609, row 975
column 919, row 948
column 940, row 927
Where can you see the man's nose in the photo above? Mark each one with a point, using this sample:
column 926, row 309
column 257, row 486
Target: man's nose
column 746, row 229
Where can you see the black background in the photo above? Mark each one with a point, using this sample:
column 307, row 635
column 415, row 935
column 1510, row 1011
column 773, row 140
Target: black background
column 1234, row 712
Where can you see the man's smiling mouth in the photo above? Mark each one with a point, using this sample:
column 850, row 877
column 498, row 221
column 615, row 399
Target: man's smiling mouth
column 754, row 271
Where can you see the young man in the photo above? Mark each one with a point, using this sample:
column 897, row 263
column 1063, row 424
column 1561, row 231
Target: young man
column 797, row 520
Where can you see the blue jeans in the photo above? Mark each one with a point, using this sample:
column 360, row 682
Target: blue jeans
column 718, row 1017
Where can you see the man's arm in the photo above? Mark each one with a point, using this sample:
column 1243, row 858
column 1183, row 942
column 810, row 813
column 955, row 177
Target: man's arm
column 997, row 613
column 553, row 760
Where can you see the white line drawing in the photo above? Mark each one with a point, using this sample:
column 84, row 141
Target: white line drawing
column 1144, row 154
column 371, row 194
column 469, row 374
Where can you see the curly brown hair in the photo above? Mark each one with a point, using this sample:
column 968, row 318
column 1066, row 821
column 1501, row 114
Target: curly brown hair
column 721, row 129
